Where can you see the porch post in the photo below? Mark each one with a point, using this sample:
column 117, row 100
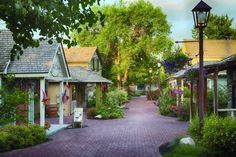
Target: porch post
column 61, row 108
column 42, row 106
column 31, row 105
column 182, row 88
column 177, row 95
column 98, row 94
column 215, row 98
column 0, row 88
column 191, row 102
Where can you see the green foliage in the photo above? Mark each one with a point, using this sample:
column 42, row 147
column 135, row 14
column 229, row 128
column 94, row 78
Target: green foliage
column 219, row 134
column 91, row 112
column 111, row 107
column 222, row 98
column 183, row 110
column 186, row 92
column 132, row 35
column 187, row 151
column 91, row 100
column 218, row 27
column 110, row 111
column 11, row 98
column 52, row 19
column 14, row 137
column 166, row 100
column 118, row 96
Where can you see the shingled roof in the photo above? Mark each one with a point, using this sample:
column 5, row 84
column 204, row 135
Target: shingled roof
column 83, row 75
column 79, row 54
column 6, row 44
column 33, row 60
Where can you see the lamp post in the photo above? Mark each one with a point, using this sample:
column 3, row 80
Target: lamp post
column 159, row 74
column 150, row 85
column 201, row 14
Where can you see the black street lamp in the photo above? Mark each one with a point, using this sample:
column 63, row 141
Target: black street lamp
column 201, row 14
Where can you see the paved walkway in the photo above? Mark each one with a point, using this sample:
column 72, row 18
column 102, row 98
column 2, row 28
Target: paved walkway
column 139, row 134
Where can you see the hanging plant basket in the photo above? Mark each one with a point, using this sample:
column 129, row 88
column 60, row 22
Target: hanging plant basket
column 175, row 62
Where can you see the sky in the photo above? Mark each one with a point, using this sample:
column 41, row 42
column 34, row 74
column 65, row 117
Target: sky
column 179, row 14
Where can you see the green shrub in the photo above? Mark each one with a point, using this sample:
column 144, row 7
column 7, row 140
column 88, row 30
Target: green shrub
column 118, row 96
column 166, row 100
column 110, row 111
column 91, row 112
column 4, row 143
column 219, row 134
column 183, row 110
column 14, row 137
column 186, row 92
column 193, row 129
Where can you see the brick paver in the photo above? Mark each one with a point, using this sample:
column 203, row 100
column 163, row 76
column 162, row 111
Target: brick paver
column 139, row 134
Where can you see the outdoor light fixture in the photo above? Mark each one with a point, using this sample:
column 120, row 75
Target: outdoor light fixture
column 201, row 14
column 150, row 70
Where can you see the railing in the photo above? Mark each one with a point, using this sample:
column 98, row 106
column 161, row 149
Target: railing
column 231, row 110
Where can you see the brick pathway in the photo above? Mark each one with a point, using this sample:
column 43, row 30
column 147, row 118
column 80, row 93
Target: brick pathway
column 139, row 134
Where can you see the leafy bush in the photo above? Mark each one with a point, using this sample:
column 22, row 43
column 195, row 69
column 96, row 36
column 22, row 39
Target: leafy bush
column 183, row 110
column 166, row 100
column 186, row 92
column 118, row 96
column 193, row 129
column 91, row 112
column 219, row 134
column 110, row 110
column 11, row 98
column 14, row 137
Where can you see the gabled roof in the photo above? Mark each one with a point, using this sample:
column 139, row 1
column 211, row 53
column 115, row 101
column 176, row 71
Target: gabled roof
column 6, row 44
column 214, row 50
column 33, row 61
column 80, row 74
column 79, row 54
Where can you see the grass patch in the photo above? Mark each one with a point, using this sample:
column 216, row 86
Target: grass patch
column 184, row 150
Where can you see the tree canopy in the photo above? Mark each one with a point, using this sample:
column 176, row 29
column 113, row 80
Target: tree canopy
column 130, row 40
column 52, row 19
column 218, row 27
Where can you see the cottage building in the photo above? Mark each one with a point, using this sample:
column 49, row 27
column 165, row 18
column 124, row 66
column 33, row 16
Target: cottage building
column 34, row 71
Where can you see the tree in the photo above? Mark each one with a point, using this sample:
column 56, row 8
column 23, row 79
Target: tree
column 52, row 19
column 132, row 35
column 218, row 27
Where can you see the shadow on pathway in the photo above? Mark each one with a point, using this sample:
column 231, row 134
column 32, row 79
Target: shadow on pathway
column 139, row 134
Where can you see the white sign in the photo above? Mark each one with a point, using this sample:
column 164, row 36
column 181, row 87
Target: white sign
column 78, row 115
